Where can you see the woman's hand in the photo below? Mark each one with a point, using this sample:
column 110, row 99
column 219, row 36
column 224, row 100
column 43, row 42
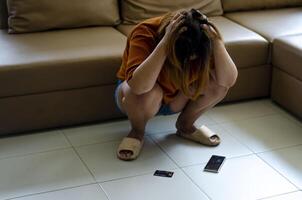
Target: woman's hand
column 176, row 21
column 213, row 35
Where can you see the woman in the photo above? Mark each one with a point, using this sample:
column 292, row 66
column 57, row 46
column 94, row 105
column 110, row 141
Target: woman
column 174, row 63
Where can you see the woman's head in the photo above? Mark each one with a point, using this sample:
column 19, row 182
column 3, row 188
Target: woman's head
column 190, row 41
column 189, row 50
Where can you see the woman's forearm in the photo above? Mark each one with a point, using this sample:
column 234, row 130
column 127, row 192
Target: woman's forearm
column 145, row 75
column 225, row 69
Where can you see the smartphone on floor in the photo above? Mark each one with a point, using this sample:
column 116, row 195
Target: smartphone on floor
column 214, row 164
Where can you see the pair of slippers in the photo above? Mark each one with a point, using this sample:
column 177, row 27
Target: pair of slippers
column 202, row 135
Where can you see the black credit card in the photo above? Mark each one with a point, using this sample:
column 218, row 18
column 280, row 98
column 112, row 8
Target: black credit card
column 163, row 173
column 214, row 164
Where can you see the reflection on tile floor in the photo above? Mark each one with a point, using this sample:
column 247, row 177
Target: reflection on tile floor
column 262, row 144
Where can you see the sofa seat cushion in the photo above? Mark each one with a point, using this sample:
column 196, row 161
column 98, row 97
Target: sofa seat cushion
column 287, row 55
column 271, row 23
column 245, row 47
column 59, row 60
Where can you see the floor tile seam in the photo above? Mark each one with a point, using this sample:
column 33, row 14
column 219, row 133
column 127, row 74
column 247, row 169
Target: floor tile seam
column 114, row 179
column 293, row 119
column 227, row 158
column 131, row 176
column 82, row 161
column 103, row 189
column 277, row 171
column 191, row 179
column 249, row 118
column 140, row 174
column 279, row 148
column 161, row 132
column 96, row 143
column 256, row 152
column 236, row 138
column 50, row 191
column 35, row 153
column 163, row 150
column 277, row 195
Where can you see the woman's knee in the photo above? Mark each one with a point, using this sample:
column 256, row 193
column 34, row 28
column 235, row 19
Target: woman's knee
column 147, row 102
column 216, row 91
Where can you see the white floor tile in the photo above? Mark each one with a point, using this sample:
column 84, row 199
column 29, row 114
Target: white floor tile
column 290, row 196
column 266, row 133
column 97, row 133
column 41, row 172
column 166, row 124
column 149, row 187
column 42, row 166
column 240, row 111
column 101, row 159
column 244, row 178
column 89, row 192
column 185, row 152
column 288, row 162
column 26, row 144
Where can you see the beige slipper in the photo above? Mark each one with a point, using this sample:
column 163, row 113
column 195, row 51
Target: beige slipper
column 130, row 144
column 203, row 135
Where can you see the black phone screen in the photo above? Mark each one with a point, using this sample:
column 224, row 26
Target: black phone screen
column 214, row 163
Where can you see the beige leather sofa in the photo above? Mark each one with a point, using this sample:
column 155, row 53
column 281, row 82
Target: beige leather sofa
column 66, row 76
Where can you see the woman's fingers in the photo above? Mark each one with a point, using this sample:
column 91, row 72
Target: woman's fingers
column 211, row 32
column 176, row 21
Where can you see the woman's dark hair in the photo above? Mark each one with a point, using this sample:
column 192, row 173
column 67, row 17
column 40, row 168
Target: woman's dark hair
column 192, row 41
column 189, row 44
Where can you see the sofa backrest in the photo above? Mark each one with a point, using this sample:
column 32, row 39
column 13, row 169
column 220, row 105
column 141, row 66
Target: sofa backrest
column 240, row 5
column 38, row 15
column 3, row 14
column 134, row 11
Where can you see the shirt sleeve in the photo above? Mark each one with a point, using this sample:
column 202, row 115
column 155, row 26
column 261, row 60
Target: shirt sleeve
column 141, row 45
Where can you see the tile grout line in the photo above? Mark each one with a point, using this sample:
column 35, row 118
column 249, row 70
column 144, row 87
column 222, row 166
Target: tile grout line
column 50, row 191
column 200, row 189
column 151, row 137
column 247, row 118
column 255, row 152
column 254, row 117
column 228, row 158
column 274, row 107
column 86, row 166
column 279, row 149
column 35, row 153
column 133, row 176
column 277, row 195
column 236, row 138
column 297, row 188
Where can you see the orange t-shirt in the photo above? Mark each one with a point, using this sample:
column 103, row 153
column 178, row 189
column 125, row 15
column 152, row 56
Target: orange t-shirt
column 140, row 44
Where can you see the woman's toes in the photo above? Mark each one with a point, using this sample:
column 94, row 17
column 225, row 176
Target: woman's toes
column 126, row 154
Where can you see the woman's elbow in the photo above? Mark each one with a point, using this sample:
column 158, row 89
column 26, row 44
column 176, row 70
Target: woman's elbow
column 231, row 80
column 234, row 77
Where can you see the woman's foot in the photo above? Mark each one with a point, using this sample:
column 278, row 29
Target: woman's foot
column 202, row 135
column 126, row 154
